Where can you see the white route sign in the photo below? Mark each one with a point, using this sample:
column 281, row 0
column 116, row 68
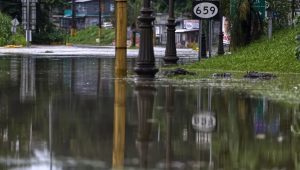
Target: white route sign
column 206, row 9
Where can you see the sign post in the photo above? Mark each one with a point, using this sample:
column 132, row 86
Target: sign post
column 205, row 10
column 29, row 18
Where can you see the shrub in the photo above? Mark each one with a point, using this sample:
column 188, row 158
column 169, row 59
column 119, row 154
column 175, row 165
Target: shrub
column 53, row 36
column 5, row 31
column 17, row 39
column 90, row 34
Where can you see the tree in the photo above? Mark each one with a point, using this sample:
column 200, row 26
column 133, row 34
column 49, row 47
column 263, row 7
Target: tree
column 134, row 7
column 183, row 7
column 247, row 25
column 11, row 7
column 5, row 32
column 281, row 10
column 44, row 9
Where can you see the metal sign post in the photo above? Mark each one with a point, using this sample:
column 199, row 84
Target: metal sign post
column 29, row 18
column 205, row 10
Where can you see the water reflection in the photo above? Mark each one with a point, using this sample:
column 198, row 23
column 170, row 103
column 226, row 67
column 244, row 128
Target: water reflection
column 119, row 124
column 72, row 114
column 145, row 91
column 27, row 87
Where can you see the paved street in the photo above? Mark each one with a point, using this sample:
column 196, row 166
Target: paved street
column 93, row 51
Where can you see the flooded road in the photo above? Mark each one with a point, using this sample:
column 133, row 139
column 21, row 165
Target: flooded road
column 70, row 113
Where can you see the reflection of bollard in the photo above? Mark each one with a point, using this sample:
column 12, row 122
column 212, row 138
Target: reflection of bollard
column 145, row 92
column 203, row 46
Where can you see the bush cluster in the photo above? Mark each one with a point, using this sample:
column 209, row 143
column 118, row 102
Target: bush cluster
column 90, row 34
column 52, row 36
column 5, row 32
column 6, row 36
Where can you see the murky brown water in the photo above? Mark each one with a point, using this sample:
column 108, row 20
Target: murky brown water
column 63, row 114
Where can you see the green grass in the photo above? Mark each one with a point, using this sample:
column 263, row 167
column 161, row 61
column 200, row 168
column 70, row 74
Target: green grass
column 276, row 55
column 90, row 34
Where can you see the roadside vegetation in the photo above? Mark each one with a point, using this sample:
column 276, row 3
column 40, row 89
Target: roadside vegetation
column 6, row 36
column 91, row 36
column 275, row 55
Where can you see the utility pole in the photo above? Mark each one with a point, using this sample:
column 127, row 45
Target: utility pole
column 100, row 21
column 121, row 38
column 221, row 34
column 29, row 18
column 100, row 15
column 28, row 31
column 73, row 24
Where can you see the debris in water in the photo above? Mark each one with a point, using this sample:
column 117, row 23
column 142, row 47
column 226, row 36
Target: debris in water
column 258, row 75
column 221, row 75
column 178, row 71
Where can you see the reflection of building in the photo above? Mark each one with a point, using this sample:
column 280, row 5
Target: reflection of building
column 91, row 77
column 86, row 77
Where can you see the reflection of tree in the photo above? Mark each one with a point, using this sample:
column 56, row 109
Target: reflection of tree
column 233, row 130
column 15, row 114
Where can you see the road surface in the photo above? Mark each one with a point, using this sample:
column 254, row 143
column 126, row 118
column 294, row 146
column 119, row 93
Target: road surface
column 91, row 51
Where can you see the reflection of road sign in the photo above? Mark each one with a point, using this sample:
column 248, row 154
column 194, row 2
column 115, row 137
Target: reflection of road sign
column 260, row 7
column 205, row 122
column 14, row 24
column 267, row 5
column 206, row 9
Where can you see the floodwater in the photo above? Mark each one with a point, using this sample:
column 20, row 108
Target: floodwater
column 63, row 114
